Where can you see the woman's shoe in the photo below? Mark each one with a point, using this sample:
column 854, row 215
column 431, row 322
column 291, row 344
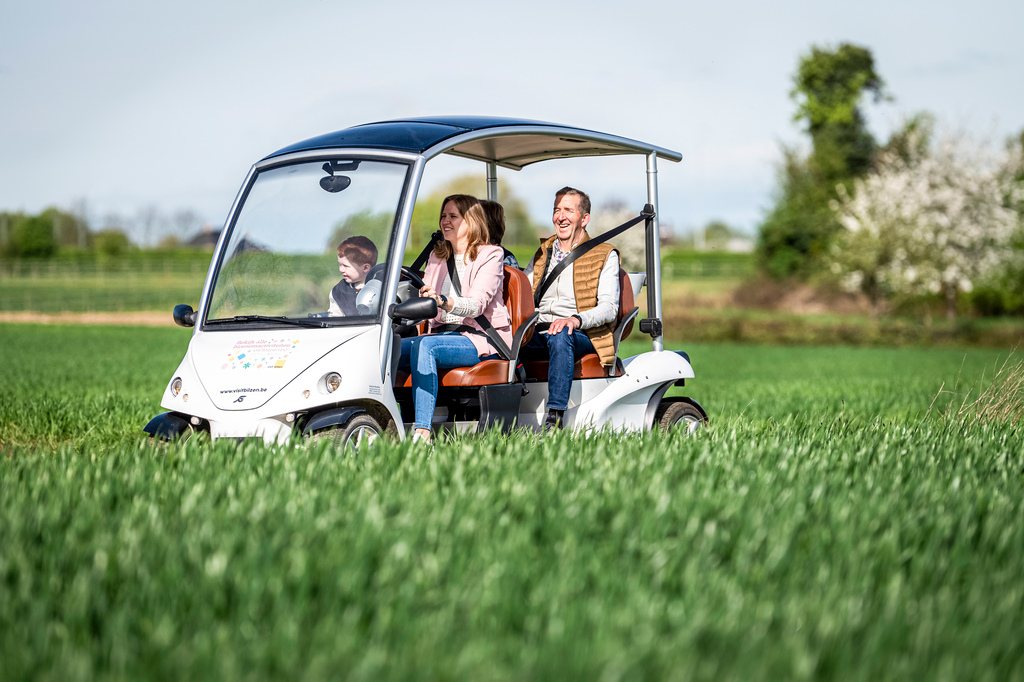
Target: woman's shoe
column 554, row 420
column 424, row 442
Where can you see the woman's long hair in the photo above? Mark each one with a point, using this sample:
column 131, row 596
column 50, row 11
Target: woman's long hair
column 495, row 220
column 473, row 214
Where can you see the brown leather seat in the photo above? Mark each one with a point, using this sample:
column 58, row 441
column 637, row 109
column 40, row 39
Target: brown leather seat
column 626, row 302
column 519, row 300
column 589, row 366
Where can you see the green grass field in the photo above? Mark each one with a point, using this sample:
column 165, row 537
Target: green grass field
column 826, row 525
column 697, row 293
column 136, row 282
column 160, row 280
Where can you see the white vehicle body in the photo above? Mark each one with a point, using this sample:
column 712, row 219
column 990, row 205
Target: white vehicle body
column 266, row 362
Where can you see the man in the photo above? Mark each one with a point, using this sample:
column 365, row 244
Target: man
column 356, row 255
column 578, row 310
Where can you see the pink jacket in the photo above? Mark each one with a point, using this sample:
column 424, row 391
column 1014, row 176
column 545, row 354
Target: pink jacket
column 482, row 282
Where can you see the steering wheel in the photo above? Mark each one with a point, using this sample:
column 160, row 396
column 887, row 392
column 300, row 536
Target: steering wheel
column 407, row 273
column 412, row 276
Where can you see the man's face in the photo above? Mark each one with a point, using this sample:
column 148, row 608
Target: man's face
column 568, row 221
column 351, row 273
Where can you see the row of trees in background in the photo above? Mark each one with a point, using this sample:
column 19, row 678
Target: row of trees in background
column 520, row 228
column 927, row 214
column 42, row 235
column 940, row 217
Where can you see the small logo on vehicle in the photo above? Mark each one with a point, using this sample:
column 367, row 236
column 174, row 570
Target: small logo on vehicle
column 239, row 399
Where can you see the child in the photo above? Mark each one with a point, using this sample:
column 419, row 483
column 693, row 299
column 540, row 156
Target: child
column 356, row 255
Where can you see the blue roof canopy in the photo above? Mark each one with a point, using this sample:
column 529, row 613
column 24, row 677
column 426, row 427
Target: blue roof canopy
column 512, row 143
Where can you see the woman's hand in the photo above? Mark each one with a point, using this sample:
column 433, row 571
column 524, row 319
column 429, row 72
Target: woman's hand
column 428, row 292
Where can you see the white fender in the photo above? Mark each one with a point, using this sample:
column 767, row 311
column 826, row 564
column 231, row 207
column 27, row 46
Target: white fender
column 623, row 404
column 212, row 391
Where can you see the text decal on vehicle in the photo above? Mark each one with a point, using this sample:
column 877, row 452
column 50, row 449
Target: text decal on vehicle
column 260, row 354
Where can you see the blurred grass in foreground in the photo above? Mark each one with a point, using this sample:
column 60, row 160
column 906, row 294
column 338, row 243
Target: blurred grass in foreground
column 821, row 528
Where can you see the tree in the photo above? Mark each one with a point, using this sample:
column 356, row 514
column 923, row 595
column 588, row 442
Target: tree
column 80, row 213
column 147, row 221
column 631, row 244
column 1004, row 293
column 185, row 222
column 829, row 87
column 519, row 228
column 930, row 223
column 717, row 234
column 65, row 226
column 112, row 243
column 374, row 226
column 32, row 237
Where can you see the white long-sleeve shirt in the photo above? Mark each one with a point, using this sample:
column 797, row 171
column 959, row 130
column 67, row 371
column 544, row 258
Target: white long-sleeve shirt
column 462, row 306
column 559, row 300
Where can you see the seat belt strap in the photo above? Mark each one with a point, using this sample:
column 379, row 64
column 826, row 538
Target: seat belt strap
column 425, row 253
column 488, row 329
column 585, row 248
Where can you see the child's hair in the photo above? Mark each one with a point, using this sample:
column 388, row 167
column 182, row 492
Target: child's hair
column 358, row 250
column 495, row 220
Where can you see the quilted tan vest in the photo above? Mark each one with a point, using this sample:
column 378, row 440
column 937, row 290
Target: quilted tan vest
column 585, row 273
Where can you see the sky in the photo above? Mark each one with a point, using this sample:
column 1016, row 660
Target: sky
column 128, row 105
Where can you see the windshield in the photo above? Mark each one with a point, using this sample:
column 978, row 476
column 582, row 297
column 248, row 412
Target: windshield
column 308, row 245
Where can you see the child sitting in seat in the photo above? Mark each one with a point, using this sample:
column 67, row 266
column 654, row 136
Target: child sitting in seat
column 356, row 255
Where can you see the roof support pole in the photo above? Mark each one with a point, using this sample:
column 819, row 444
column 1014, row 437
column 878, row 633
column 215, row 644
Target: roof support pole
column 492, row 181
column 654, row 249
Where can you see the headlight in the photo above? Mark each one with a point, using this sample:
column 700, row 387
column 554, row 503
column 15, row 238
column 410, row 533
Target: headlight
column 332, row 381
column 175, row 387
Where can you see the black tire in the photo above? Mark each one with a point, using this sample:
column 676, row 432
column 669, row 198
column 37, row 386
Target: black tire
column 676, row 414
column 360, row 430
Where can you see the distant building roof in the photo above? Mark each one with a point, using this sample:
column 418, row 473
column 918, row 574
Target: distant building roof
column 206, row 238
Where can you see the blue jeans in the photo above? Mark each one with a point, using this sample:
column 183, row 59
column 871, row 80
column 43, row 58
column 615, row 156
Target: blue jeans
column 561, row 350
column 422, row 356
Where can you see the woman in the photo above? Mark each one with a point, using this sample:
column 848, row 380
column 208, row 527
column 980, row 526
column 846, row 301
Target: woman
column 480, row 274
column 496, row 229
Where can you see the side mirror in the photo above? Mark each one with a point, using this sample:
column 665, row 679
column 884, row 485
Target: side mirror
column 414, row 309
column 184, row 316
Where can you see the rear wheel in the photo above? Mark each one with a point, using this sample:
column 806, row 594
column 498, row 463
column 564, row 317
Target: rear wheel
column 679, row 415
column 359, row 431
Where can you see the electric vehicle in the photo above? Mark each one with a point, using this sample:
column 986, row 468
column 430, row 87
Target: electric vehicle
column 266, row 361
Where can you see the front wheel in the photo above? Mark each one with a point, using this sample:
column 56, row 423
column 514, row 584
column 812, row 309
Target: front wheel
column 359, row 431
column 681, row 415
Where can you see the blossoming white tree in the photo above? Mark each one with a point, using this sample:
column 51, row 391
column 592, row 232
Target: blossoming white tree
column 631, row 244
column 933, row 220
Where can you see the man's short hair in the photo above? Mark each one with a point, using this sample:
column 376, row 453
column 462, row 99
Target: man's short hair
column 584, row 200
column 359, row 250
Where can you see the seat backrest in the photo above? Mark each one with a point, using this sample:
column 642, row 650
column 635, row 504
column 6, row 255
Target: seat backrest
column 518, row 296
column 626, row 302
